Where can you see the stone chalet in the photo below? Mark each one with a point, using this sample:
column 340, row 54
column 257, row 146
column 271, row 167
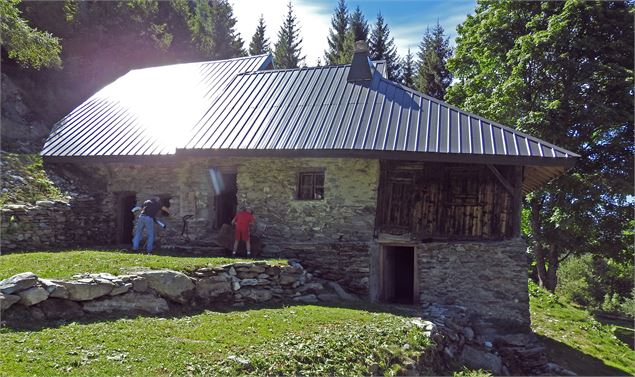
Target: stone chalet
column 398, row 196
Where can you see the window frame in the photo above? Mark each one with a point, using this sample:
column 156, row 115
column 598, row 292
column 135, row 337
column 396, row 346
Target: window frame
column 313, row 187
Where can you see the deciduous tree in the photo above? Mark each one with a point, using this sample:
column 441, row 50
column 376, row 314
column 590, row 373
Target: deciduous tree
column 562, row 71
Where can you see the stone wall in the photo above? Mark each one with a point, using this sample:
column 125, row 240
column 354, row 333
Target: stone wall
column 55, row 224
column 347, row 263
column 490, row 278
column 347, row 212
column 26, row 297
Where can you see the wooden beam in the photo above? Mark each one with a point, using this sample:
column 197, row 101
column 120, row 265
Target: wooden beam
column 517, row 201
column 502, row 180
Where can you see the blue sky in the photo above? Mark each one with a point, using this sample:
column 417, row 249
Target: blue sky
column 407, row 19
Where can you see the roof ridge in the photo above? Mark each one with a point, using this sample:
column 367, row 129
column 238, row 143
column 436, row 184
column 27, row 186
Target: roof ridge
column 204, row 62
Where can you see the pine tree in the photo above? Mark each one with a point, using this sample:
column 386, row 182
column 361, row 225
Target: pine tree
column 382, row 47
column 259, row 43
column 433, row 77
column 357, row 31
column 288, row 52
column 408, row 71
column 213, row 27
column 337, row 34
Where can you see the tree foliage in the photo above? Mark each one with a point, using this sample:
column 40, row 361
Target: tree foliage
column 337, row 34
column 408, row 70
column 562, row 71
column 213, row 29
column 433, row 76
column 287, row 50
column 29, row 46
column 259, row 43
column 382, row 47
column 357, row 31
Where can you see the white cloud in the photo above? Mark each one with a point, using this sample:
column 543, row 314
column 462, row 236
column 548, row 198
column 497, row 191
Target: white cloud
column 313, row 19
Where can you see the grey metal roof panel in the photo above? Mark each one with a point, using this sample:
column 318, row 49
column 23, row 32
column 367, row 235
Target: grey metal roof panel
column 147, row 111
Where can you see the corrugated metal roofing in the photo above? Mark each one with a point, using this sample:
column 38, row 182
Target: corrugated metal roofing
column 235, row 107
column 317, row 109
column 147, row 111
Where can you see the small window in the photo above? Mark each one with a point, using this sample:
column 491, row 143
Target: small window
column 311, row 186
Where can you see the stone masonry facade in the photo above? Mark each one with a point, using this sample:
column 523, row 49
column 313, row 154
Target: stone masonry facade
column 489, row 278
column 332, row 237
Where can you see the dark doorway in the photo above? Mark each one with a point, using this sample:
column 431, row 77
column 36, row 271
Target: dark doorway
column 126, row 201
column 226, row 201
column 398, row 275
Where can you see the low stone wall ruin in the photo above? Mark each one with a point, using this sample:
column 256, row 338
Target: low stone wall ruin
column 54, row 224
column 26, row 296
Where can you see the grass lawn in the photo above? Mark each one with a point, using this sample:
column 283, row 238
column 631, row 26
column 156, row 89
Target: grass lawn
column 576, row 340
column 295, row 340
column 65, row 264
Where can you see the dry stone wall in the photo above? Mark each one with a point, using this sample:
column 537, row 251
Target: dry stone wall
column 26, row 296
column 55, row 224
column 490, row 278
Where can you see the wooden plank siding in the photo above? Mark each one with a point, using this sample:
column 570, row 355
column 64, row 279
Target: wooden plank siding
column 439, row 201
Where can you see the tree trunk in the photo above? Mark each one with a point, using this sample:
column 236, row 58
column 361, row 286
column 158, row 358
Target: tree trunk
column 552, row 277
column 539, row 250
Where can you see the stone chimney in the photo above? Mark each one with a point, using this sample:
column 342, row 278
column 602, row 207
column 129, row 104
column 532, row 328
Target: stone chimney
column 360, row 67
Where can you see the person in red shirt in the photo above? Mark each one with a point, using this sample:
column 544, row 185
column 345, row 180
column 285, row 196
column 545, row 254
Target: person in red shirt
column 242, row 220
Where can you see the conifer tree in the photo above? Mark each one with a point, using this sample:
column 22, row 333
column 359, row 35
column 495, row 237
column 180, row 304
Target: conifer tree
column 213, row 27
column 337, row 34
column 259, row 43
column 408, row 71
column 433, row 77
column 357, row 31
column 287, row 50
column 382, row 47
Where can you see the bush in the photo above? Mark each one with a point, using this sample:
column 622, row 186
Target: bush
column 595, row 282
column 627, row 307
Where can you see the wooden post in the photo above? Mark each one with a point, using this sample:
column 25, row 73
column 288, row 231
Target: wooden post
column 517, row 200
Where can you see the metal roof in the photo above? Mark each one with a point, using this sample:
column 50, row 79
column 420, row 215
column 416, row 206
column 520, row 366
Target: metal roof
column 233, row 107
column 147, row 111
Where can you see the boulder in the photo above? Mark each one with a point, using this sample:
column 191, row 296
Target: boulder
column 33, row 296
column 7, row 300
column 212, row 287
column 86, row 289
column 18, row 282
column 54, row 289
column 56, row 308
column 139, row 284
column 479, row 359
column 173, row 285
column 120, row 289
column 128, row 302
column 328, row 297
column 341, row 292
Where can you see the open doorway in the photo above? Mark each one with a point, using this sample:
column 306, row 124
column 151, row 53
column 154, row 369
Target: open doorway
column 398, row 275
column 226, row 200
column 126, row 201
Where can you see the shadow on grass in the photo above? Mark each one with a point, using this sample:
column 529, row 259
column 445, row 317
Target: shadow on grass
column 18, row 322
column 576, row 361
column 624, row 328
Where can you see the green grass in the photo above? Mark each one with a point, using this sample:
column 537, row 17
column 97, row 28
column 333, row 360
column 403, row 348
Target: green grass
column 576, row 340
column 63, row 265
column 35, row 185
column 297, row 340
